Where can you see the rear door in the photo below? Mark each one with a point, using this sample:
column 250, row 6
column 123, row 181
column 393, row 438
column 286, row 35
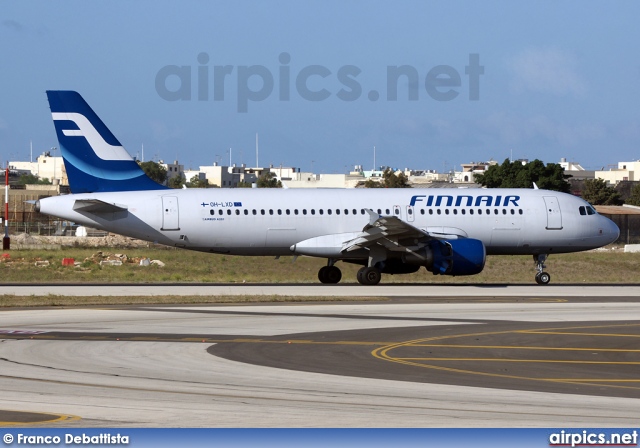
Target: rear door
column 170, row 216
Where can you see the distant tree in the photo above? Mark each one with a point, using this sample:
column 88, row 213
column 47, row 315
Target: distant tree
column 268, row 180
column 244, row 184
column 634, row 199
column 155, row 171
column 196, row 182
column 389, row 180
column 176, row 182
column 31, row 179
column 516, row 175
column 597, row 192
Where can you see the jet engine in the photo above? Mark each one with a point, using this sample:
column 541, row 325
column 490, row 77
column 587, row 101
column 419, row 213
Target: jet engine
column 465, row 256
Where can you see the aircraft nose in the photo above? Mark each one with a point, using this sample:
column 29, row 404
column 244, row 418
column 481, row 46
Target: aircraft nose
column 610, row 231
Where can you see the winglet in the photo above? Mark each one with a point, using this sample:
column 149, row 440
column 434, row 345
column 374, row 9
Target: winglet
column 373, row 216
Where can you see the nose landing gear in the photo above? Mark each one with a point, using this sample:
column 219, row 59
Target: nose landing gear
column 542, row 278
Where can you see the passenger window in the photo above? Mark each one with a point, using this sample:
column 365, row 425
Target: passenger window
column 220, row 212
column 504, row 211
column 304, row 211
column 387, row 212
column 237, row 212
column 513, row 212
column 520, row 211
column 495, row 211
column 439, row 212
column 262, row 212
column 422, row 211
column 211, row 212
column 431, row 211
column 321, row 211
column 288, row 212
column 463, row 211
column 446, row 212
column 471, row 211
column 338, row 211
column 409, row 212
column 313, row 211
column 397, row 211
column 246, row 212
column 379, row 212
column 328, row 211
column 271, row 211
column 479, row 211
column 279, row 212
column 295, row 212
column 228, row 212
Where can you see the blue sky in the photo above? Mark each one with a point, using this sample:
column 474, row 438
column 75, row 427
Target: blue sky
column 560, row 79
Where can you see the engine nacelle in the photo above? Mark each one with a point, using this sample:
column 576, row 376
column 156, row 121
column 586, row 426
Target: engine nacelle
column 465, row 256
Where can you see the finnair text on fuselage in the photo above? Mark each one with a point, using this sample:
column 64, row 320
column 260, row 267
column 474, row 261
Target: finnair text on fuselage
column 465, row 200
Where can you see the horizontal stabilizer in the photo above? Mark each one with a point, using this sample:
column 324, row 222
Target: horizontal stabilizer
column 97, row 206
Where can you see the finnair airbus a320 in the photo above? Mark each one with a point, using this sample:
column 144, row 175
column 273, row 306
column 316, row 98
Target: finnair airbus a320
column 392, row 231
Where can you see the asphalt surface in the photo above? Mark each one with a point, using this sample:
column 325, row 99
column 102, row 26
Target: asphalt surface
column 436, row 361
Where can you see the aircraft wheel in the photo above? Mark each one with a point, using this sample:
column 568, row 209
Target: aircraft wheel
column 322, row 274
column 359, row 276
column 369, row 276
column 332, row 274
column 543, row 278
column 329, row 274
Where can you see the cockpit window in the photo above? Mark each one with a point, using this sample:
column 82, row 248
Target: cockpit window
column 587, row 210
column 583, row 210
column 591, row 210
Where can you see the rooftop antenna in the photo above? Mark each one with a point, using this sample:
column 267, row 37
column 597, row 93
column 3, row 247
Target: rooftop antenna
column 374, row 157
column 143, row 152
column 257, row 165
column 31, row 146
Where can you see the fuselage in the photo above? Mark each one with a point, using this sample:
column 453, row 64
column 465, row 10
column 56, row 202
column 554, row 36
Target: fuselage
column 270, row 221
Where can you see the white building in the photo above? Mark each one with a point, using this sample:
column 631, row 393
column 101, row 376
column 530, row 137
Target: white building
column 625, row 171
column 45, row 167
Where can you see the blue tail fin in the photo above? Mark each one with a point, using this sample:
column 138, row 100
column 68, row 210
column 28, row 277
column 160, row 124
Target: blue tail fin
column 94, row 159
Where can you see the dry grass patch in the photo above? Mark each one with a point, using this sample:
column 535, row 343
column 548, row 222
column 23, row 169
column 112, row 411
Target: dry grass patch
column 196, row 267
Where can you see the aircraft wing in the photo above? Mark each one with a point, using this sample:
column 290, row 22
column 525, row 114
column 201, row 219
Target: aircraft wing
column 396, row 235
column 388, row 231
column 97, row 206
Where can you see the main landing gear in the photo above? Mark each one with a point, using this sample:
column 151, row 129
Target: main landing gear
column 369, row 276
column 329, row 273
column 542, row 278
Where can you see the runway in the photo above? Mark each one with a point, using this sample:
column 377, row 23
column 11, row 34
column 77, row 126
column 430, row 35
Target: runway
column 472, row 361
column 319, row 290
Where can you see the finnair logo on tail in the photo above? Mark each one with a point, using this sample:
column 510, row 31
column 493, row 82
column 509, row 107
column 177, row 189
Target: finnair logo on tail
column 102, row 149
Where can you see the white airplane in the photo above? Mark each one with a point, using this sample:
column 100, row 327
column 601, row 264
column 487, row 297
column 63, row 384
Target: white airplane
column 392, row 231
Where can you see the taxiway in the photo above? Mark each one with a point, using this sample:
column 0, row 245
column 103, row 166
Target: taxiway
column 468, row 361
